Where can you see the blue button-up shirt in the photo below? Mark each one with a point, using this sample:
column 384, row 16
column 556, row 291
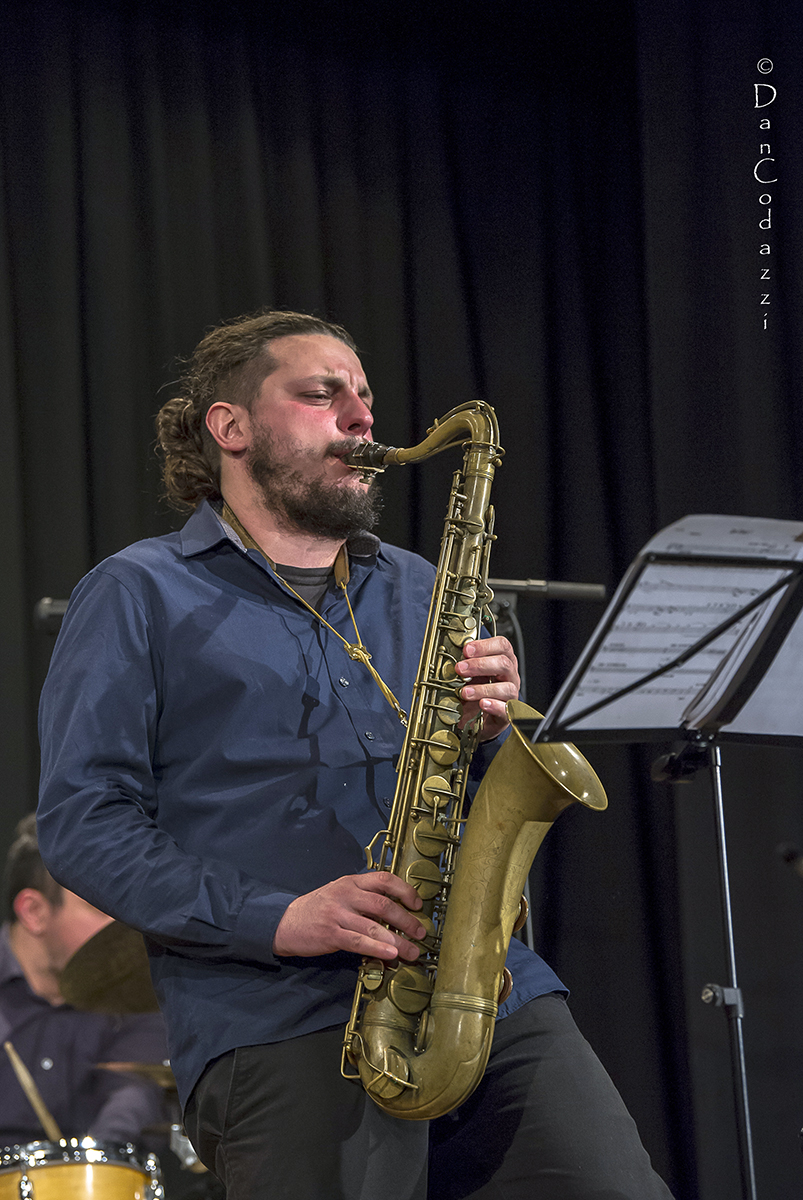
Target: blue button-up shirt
column 209, row 753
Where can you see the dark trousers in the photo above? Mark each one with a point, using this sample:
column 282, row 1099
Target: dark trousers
column 546, row 1123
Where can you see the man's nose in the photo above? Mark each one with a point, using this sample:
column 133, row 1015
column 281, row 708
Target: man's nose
column 356, row 417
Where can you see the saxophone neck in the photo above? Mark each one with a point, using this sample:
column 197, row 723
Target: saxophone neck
column 473, row 422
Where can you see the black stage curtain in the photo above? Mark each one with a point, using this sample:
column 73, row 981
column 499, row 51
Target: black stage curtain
column 559, row 212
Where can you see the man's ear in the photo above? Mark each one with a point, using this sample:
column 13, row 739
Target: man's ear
column 230, row 426
column 32, row 910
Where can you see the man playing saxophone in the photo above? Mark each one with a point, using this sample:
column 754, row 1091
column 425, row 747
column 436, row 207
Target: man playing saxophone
column 219, row 729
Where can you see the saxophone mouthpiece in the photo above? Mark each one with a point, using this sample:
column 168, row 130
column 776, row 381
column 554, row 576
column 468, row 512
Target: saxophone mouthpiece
column 368, row 458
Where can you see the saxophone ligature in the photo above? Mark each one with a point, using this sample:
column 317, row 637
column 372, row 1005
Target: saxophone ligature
column 420, row 1033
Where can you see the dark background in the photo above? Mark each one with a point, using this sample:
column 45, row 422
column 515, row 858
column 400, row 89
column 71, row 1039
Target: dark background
column 555, row 210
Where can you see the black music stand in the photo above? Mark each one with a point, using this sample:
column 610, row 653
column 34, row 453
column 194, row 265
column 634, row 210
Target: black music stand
column 702, row 642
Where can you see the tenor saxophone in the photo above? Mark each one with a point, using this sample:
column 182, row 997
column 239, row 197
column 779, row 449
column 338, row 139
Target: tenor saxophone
column 419, row 1034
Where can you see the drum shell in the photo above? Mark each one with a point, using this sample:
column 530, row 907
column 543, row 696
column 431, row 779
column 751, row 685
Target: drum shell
column 78, row 1169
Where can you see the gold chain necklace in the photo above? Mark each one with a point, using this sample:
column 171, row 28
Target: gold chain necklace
column 356, row 650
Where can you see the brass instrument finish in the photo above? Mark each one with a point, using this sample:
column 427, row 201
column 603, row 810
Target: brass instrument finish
column 420, row 1033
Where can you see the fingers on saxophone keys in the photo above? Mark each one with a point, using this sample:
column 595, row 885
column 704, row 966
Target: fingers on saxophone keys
column 374, row 946
column 502, row 690
column 489, row 669
column 388, row 899
column 389, row 885
column 378, row 942
column 489, row 656
column 394, row 916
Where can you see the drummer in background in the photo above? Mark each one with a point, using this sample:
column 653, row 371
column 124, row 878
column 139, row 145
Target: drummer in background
column 58, row 1044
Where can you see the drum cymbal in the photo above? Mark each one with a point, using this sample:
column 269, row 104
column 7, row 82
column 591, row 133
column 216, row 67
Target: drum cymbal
column 110, row 974
column 156, row 1072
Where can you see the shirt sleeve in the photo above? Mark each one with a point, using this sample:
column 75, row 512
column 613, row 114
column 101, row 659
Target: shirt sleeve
column 97, row 833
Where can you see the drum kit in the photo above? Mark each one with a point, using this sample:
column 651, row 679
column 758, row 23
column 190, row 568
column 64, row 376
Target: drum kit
column 108, row 974
column 75, row 1169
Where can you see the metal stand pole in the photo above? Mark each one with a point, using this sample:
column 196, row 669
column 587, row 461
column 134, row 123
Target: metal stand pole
column 730, row 998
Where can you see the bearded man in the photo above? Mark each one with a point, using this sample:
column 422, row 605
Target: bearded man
column 214, row 762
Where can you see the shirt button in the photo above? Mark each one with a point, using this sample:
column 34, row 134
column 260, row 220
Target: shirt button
column 46, row 1064
column 343, row 682
column 386, row 802
column 369, row 735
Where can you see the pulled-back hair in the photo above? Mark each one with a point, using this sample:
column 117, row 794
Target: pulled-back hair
column 229, row 363
column 25, row 869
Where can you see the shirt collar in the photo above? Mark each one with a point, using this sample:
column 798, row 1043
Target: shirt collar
column 206, row 529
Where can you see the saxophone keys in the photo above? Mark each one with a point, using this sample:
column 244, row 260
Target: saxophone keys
column 410, row 990
column 372, row 972
column 466, row 595
column 447, row 672
column 444, row 747
column 463, row 629
column 436, row 790
column 391, row 1079
column 425, row 878
column 507, row 986
column 449, row 711
column 421, row 1031
column 523, row 914
column 431, row 838
column 430, row 938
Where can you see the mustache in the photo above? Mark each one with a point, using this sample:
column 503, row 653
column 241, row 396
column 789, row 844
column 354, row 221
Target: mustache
column 344, row 446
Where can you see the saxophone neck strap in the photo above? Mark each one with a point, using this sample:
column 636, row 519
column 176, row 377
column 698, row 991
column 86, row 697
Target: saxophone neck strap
column 356, row 651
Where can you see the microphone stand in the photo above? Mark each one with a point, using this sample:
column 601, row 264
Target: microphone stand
column 550, row 589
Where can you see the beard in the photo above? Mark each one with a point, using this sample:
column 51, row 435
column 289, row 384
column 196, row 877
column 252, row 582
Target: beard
column 306, row 504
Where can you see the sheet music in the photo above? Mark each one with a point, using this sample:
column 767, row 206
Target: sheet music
column 776, row 707
column 747, row 636
column 671, row 608
column 748, row 537
column 662, row 609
